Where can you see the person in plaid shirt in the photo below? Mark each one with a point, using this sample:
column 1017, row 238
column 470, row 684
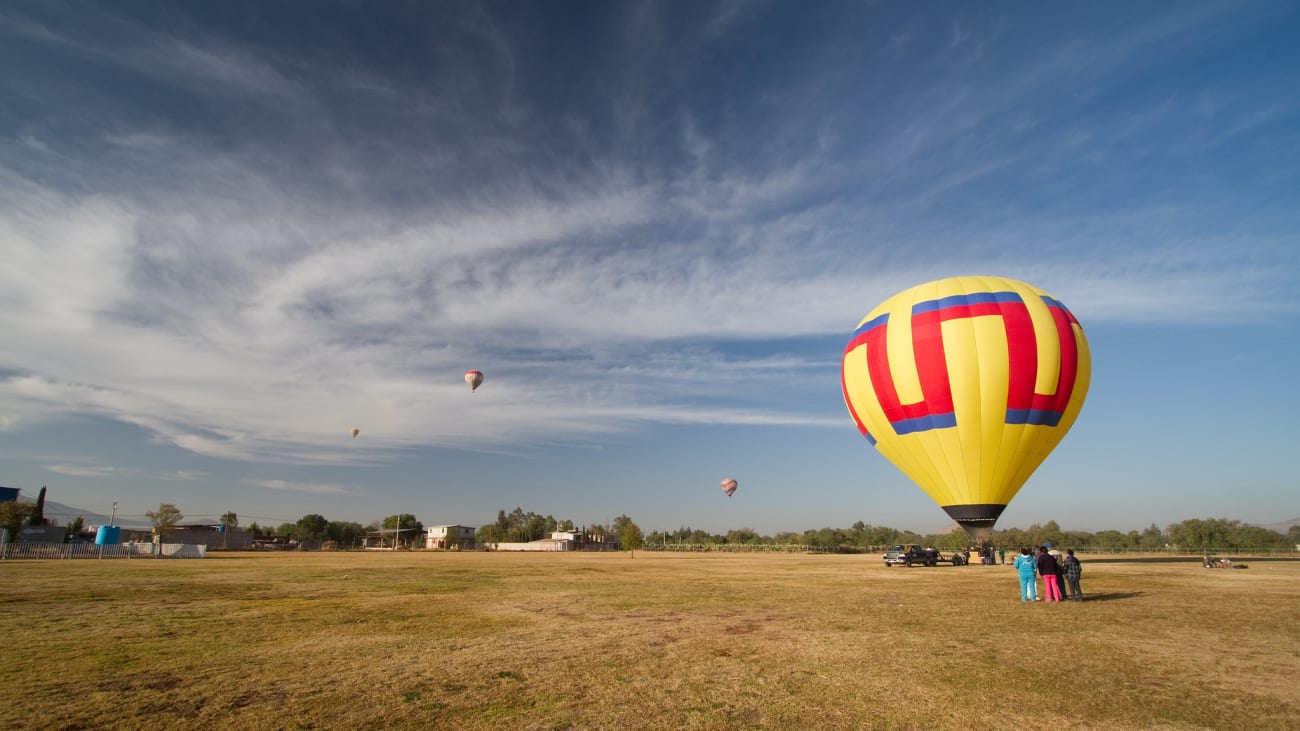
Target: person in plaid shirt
column 1073, row 570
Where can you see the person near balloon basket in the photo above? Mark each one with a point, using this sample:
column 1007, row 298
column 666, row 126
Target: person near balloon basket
column 1025, row 567
column 1047, row 568
column 1073, row 570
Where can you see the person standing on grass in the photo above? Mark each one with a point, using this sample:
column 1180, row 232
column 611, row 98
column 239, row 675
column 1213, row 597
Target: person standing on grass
column 1055, row 553
column 1025, row 567
column 1073, row 570
column 1047, row 568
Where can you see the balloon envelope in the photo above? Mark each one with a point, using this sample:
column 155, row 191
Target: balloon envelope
column 729, row 486
column 966, row 384
column 474, row 379
column 355, row 432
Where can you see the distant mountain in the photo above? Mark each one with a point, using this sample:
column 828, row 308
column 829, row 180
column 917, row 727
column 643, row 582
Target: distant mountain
column 1282, row 527
column 64, row 514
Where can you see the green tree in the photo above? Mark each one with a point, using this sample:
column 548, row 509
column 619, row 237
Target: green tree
column 14, row 515
column 406, row 525
column 343, row 533
column 311, row 527
column 1151, row 539
column 743, row 536
column 165, row 518
column 75, row 527
column 630, row 537
column 229, row 520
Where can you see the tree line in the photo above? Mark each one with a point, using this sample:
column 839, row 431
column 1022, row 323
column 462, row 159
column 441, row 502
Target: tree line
column 1195, row 534
column 518, row 526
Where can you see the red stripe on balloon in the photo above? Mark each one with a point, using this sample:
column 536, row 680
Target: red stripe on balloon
column 1069, row 357
column 1022, row 355
column 931, row 365
column 881, row 381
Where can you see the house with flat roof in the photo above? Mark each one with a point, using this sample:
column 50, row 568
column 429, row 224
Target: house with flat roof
column 453, row 537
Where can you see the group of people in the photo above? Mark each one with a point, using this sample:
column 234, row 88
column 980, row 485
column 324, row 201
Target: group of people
column 1060, row 574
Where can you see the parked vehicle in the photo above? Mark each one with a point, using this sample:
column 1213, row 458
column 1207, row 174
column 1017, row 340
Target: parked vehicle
column 911, row 554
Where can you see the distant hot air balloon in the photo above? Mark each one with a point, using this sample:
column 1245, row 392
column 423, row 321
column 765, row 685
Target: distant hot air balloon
column 729, row 486
column 474, row 379
column 966, row 384
column 355, row 432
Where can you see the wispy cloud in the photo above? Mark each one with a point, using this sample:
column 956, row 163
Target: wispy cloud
column 253, row 300
column 316, row 489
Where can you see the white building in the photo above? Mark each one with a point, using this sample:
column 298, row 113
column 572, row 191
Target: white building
column 449, row 536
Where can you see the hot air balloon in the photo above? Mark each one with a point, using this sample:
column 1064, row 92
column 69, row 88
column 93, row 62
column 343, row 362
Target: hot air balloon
column 474, row 379
column 966, row 384
column 729, row 486
column 355, row 432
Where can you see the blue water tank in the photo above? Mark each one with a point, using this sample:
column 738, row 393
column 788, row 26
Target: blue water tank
column 108, row 535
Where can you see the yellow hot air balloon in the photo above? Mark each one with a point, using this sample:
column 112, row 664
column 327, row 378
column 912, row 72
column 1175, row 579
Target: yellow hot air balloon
column 966, row 384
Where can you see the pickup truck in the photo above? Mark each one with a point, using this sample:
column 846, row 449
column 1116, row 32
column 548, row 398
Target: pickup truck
column 910, row 554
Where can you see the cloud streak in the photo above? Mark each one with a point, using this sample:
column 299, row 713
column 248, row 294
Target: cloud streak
column 244, row 294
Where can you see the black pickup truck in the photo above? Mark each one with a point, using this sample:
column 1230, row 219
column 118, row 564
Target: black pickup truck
column 913, row 555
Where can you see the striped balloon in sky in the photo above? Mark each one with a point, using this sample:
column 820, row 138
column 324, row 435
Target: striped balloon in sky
column 729, row 486
column 966, row 384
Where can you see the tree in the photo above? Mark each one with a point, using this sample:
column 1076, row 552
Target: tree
column 14, row 515
column 403, row 523
column 742, row 536
column 344, row 533
column 165, row 517
column 38, row 515
column 75, row 527
column 630, row 537
column 229, row 520
column 311, row 527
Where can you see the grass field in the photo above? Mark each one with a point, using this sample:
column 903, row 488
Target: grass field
column 655, row 641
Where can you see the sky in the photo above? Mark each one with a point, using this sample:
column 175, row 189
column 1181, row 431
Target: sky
column 232, row 232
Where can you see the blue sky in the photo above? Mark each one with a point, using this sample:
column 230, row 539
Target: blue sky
column 232, row 232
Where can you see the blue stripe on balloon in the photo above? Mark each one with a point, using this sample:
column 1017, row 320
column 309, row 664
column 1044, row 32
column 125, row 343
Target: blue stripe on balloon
column 871, row 324
column 959, row 300
column 925, row 423
column 1035, row 417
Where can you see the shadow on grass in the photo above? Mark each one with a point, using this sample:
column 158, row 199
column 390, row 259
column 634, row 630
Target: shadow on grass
column 1185, row 559
column 1111, row 596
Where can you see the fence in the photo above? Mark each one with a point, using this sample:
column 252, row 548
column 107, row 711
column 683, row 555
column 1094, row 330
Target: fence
column 736, row 548
column 88, row 550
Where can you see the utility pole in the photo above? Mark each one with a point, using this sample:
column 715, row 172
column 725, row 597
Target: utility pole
column 113, row 518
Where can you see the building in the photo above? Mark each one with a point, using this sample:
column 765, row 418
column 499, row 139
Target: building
column 563, row 540
column 194, row 534
column 455, row 537
column 9, row 494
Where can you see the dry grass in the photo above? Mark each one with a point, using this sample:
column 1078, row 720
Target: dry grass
column 661, row 641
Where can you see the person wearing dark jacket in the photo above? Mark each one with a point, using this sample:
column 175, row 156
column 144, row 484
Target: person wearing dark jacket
column 1073, row 570
column 1060, row 569
column 1047, row 569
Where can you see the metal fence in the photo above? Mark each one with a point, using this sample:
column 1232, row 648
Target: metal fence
column 736, row 548
column 89, row 550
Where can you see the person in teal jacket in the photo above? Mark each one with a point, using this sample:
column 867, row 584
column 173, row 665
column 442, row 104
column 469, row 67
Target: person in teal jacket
column 1025, row 567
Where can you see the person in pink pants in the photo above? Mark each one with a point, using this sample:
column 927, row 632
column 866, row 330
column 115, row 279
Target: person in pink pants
column 1047, row 569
